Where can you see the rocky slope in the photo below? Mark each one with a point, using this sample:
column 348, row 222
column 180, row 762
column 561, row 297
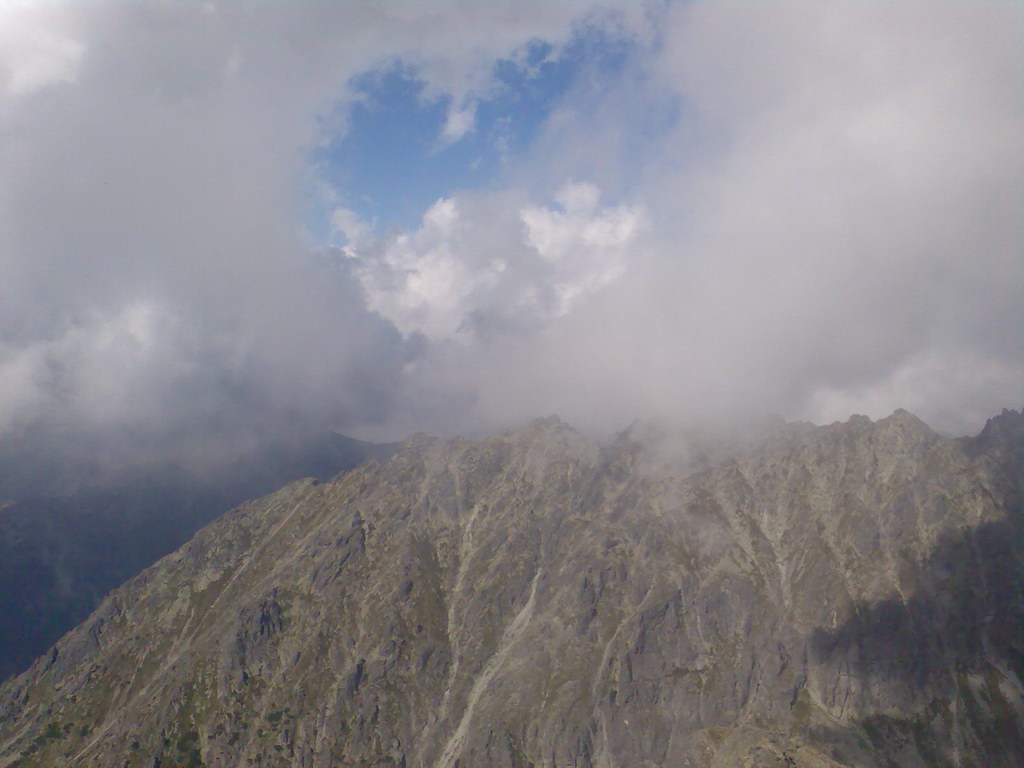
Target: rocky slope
column 847, row 595
column 69, row 537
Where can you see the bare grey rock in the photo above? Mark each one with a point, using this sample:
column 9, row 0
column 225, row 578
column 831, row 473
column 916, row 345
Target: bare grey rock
column 847, row 595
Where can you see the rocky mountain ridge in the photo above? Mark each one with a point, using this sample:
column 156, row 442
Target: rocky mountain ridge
column 847, row 595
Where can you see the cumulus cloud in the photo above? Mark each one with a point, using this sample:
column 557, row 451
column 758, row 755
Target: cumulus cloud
column 482, row 261
column 586, row 247
column 806, row 208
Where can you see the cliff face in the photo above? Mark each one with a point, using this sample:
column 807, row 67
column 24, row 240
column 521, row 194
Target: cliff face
column 846, row 595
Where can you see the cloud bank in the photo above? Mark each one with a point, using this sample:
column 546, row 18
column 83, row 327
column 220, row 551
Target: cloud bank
column 804, row 208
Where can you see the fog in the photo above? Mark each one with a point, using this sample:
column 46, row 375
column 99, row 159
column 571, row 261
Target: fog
column 805, row 209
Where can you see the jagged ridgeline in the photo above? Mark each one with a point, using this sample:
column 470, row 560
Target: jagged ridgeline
column 848, row 595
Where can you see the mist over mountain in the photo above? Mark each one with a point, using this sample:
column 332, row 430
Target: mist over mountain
column 223, row 222
column 846, row 596
column 233, row 231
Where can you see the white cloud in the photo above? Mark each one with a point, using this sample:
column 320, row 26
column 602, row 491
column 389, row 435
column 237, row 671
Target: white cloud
column 105, row 365
column 831, row 226
column 36, row 48
column 459, row 122
column 587, row 247
column 836, row 202
column 164, row 170
column 349, row 224
column 492, row 266
column 824, row 215
column 418, row 282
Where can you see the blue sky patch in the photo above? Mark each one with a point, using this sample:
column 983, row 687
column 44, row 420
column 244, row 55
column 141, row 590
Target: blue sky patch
column 392, row 164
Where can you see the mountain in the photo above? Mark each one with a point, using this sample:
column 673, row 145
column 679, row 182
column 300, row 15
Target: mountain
column 70, row 533
column 815, row 597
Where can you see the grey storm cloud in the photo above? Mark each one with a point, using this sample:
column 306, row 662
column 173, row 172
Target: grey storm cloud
column 830, row 225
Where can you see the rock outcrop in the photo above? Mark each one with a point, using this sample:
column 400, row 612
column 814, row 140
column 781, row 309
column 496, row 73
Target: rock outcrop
column 847, row 595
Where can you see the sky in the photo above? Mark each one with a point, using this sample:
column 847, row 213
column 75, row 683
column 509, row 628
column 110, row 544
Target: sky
column 225, row 220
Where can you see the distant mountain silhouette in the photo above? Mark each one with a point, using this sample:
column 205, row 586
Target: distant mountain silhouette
column 73, row 533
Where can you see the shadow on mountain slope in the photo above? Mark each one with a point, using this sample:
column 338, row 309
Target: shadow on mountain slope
column 949, row 659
